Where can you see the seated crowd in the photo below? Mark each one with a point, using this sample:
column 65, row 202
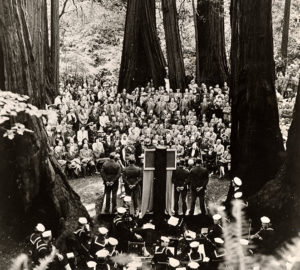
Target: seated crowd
column 88, row 121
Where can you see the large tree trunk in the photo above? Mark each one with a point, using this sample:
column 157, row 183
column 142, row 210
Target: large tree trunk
column 142, row 58
column 256, row 142
column 173, row 43
column 285, row 31
column 33, row 186
column 279, row 198
column 55, row 43
column 210, row 43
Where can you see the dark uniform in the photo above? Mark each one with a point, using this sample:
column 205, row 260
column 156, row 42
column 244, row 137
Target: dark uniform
column 161, row 257
column 264, row 240
column 180, row 180
column 82, row 235
column 110, row 173
column 98, row 243
column 198, row 180
column 131, row 177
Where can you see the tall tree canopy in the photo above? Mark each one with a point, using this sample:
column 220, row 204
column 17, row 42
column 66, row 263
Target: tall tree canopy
column 210, row 42
column 142, row 57
column 173, row 43
column 256, row 141
column 33, row 186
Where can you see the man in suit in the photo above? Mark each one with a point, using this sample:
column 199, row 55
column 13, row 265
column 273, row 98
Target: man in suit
column 180, row 179
column 198, row 179
column 110, row 173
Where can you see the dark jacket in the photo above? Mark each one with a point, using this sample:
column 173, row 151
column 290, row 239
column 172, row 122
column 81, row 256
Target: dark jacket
column 180, row 177
column 132, row 175
column 110, row 171
column 198, row 177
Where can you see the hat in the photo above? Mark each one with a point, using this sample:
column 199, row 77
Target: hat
column 40, row 227
column 82, row 221
column 103, row 253
column 165, row 239
column 70, row 255
column 47, row 234
column 237, row 181
column 194, row 244
column 265, row 220
column 244, row 242
column 238, row 195
column 217, row 217
column 127, row 199
column 112, row 241
column 103, row 230
column 121, row 210
column 190, row 162
column 219, row 240
column 193, row 265
column 149, row 226
column 173, row 221
column 91, row 264
column 173, row 262
column 189, row 235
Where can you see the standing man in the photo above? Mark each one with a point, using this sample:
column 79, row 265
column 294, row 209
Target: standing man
column 110, row 173
column 180, row 179
column 132, row 175
column 198, row 180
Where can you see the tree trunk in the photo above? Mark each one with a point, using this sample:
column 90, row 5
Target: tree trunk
column 173, row 43
column 256, row 142
column 55, row 43
column 211, row 66
column 33, row 187
column 142, row 57
column 285, row 31
column 279, row 198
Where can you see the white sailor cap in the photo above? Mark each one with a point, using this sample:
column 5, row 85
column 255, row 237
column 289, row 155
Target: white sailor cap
column 47, row 234
column 173, row 221
column 121, row 210
column 173, row 262
column 127, row 199
column 219, row 240
column 189, row 235
column 103, row 230
column 194, row 244
column 217, row 217
column 103, row 253
column 91, row 264
column 149, row 226
column 82, row 221
column 70, row 255
column 190, row 162
column 238, row 195
column 237, row 181
column 40, row 227
column 165, row 239
column 112, row 241
column 244, row 242
column 265, row 220
column 193, row 265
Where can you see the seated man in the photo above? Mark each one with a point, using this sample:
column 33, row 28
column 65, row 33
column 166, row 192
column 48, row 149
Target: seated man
column 87, row 159
column 99, row 152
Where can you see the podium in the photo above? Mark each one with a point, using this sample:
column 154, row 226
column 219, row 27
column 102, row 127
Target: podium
column 157, row 195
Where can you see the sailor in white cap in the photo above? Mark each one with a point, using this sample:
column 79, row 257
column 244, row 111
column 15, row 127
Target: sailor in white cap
column 100, row 241
column 162, row 253
column 216, row 230
column 173, row 263
column 83, row 236
column 219, row 249
column 44, row 246
column 111, row 246
column 102, row 260
column 235, row 186
column 36, row 235
column 194, row 254
column 193, row 266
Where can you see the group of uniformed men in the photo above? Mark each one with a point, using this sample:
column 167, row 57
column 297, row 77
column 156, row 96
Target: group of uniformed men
column 184, row 249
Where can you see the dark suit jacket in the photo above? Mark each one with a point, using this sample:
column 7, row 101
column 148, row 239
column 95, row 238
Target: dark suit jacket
column 132, row 175
column 180, row 177
column 198, row 177
column 110, row 171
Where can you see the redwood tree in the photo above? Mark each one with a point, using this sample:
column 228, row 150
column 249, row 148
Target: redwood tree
column 256, row 142
column 33, row 186
column 285, row 31
column 210, row 43
column 173, row 43
column 142, row 57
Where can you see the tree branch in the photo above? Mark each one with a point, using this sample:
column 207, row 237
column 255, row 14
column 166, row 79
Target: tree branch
column 63, row 9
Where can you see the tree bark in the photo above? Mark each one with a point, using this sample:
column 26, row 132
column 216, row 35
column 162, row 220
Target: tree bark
column 285, row 31
column 256, row 141
column 173, row 43
column 55, row 43
column 211, row 62
column 33, row 187
column 142, row 57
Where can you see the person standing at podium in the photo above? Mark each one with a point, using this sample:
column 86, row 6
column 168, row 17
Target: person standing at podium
column 198, row 180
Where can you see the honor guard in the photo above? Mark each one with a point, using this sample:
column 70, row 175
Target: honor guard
column 180, row 179
column 35, row 238
column 235, row 186
column 112, row 249
column 173, row 263
column 132, row 175
column 184, row 243
column 83, row 235
column 162, row 253
column 193, row 266
column 216, row 230
column 194, row 254
column 198, row 179
column 100, row 240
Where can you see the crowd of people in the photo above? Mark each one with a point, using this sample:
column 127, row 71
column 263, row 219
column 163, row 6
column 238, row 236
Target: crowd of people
column 172, row 245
